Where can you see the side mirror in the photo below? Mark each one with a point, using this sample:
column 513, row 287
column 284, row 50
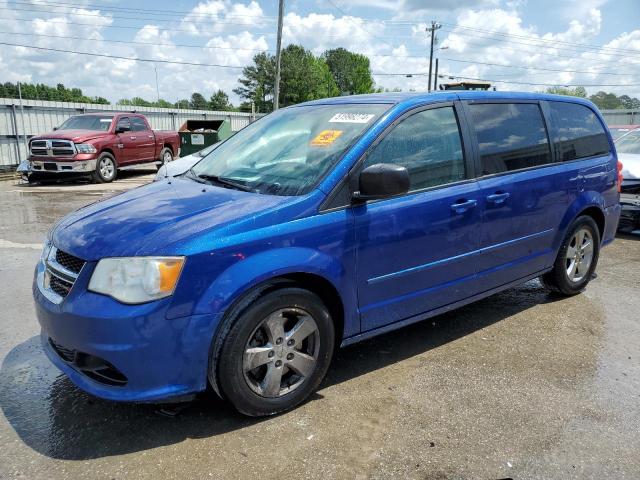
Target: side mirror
column 55, row 128
column 122, row 129
column 382, row 180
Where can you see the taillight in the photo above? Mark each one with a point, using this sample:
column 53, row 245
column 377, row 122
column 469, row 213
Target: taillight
column 620, row 178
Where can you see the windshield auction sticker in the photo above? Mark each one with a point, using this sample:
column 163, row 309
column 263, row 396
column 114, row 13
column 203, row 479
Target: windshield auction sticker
column 326, row 138
column 351, row 118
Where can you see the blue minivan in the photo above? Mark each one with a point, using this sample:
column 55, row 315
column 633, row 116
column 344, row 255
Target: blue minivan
column 317, row 226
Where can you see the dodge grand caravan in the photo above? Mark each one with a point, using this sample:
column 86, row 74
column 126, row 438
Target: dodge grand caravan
column 317, row 226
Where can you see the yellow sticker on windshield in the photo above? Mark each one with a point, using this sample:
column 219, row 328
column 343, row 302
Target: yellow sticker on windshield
column 326, row 138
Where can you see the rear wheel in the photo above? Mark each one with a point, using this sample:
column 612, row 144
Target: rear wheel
column 275, row 352
column 106, row 169
column 577, row 258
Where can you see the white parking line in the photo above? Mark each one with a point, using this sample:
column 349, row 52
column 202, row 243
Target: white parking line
column 7, row 244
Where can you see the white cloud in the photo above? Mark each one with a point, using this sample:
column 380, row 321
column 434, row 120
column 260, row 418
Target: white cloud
column 235, row 31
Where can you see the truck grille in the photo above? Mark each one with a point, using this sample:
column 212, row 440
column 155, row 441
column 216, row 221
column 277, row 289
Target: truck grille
column 53, row 148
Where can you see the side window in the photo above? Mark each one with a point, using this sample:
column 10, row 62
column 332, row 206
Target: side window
column 579, row 131
column 511, row 136
column 124, row 123
column 428, row 144
column 138, row 125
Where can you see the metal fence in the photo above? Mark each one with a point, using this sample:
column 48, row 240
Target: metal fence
column 621, row 117
column 20, row 122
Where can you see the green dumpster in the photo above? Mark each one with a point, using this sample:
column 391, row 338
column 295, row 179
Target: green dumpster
column 198, row 134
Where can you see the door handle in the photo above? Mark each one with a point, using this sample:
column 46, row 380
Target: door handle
column 462, row 206
column 150, row 136
column 133, row 138
column 498, row 197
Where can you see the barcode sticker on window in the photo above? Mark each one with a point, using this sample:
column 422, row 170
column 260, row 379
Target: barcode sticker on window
column 351, row 118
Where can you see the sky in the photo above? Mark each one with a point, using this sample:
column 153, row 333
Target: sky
column 516, row 44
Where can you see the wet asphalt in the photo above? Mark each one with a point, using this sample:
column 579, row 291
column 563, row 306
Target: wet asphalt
column 519, row 385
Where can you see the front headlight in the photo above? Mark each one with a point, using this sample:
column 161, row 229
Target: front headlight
column 136, row 279
column 46, row 250
column 85, row 148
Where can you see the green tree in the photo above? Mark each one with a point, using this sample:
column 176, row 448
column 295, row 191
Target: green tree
column 351, row 71
column 304, row 77
column 220, row 101
column 573, row 92
column 604, row 100
column 630, row 103
column 198, row 102
column 256, row 83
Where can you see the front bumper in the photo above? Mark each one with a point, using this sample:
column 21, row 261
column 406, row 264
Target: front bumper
column 76, row 166
column 630, row 212
column 158, row 358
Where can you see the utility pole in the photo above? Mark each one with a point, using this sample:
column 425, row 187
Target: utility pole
column 276, row 87
column 435, row 77
column 434, row 26
column 155, row 67
column 24, row 131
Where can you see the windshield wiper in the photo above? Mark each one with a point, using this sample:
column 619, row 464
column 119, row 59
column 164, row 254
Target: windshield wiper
column 227, row 182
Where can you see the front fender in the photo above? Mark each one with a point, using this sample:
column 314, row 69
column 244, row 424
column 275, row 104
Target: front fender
column 232, row 283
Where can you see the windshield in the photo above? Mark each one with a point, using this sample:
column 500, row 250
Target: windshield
column 288, row 151
column 617, row 132
column 630, row 143
column 88, row 122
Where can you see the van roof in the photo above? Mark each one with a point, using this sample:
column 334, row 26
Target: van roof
column 443, row 95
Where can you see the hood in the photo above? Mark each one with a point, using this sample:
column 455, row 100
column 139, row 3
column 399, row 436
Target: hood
column 76, row 136
column 150, row 220
column 630, row 165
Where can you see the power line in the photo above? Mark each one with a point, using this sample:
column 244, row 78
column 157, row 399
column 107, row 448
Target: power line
column 537, row 68
column 118, row 57
column 565, row 84
column 93, row 15
column 127, row 42
column 130, row 27
column 139, row 10
column 539, row 39
column 538, row 45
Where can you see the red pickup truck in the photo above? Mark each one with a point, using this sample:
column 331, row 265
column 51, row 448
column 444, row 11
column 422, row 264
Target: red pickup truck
column 98, row 144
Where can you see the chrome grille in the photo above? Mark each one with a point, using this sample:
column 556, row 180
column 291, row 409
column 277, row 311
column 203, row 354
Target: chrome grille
column 69, row 262
column 60, row 273
column 53, row 148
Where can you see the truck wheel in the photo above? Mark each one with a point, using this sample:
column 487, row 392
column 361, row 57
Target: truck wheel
column 272, row 355
column 106, row 169
column 577, row 258
column 166, row 155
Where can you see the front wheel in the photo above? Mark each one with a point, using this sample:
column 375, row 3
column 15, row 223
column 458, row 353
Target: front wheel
column 275, row 353
column 106, row 169
column 577, row 258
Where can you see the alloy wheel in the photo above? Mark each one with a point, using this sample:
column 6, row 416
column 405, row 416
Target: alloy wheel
column 282, row 352
column 579, row 255
column 107, row 168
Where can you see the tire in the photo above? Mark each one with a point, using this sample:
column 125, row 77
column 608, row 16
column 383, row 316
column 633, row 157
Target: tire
column 574, row 267
column 106, row 169
column 166, row 156
column 272, row 354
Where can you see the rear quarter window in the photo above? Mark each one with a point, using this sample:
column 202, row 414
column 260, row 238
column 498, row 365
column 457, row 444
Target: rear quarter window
column 579, row 131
